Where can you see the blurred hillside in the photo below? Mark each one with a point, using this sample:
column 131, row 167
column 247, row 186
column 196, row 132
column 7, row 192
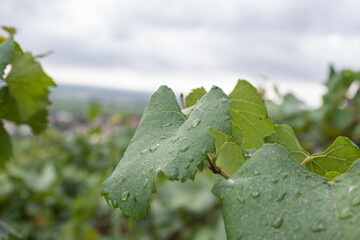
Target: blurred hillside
column 75, row 99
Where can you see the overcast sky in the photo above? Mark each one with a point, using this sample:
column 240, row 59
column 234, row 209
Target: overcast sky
column 184, row 44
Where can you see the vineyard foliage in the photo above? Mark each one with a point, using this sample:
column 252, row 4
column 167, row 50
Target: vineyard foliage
column 276, row 185
column 288, row 171
column 24, row 97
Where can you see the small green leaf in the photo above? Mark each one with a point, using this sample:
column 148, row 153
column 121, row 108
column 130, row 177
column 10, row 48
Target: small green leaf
column 280, row 199
column 9, row 30
column 250, row 114
column 338, row 157
column 286, row 137
column 169, row 142
column 194, row 96
column 331, row 175
column 7, row 54
column 5, row 146
column 28, row 85
column 228, row 147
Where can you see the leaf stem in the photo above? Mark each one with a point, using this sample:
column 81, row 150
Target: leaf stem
column 182, row 101
column 306, row 160
column 216, row 169
column 221, row 148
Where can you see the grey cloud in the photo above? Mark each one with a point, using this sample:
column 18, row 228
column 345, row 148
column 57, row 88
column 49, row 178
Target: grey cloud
column 244, row 36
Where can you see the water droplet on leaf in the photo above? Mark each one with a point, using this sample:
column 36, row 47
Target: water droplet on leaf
column 355, row 201
column 125, row 195
column 184, row 149
column 114, row 204
column 195, row 123
column 146, row 182
column 174, row 139
column 345, row 213
column 318, row 227
column 154, row 148
column 240, row 199
column 255, row 194
column 280, row 197
column 256, row 173
column 277, row 222
column 351, row 188
column 275, row 180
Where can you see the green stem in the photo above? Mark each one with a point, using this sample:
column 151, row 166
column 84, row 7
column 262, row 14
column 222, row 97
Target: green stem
column 306, row 160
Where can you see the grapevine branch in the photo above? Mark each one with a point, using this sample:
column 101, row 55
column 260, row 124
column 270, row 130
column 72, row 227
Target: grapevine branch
column 216, row 169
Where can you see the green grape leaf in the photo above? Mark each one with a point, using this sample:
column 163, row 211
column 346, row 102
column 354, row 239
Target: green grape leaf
column 331, row 175
column 250, row 115
column 166, row 141
column 273, row 196
column 28, row 85
column 5, row 146
column 7, row 54
column 9, row 111
column 194, row 96
column 338, row 157
column 9, row 30
column 38, row 121
column 8, row 233
column 229, row 151
column 286, row 137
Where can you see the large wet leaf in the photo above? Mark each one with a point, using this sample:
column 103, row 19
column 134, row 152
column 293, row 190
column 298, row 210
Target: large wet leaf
column 273, row 196
column 250, row 114
column 338, row 157
column 286, row 137
column 166, row 141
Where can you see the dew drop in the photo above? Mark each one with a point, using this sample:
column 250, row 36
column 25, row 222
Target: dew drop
column 191, row 159
column 318, row 227
column 345, row 213
column 231, row 181
column 280, row 197
column 184, row 149
column 355, row 201
column 143, row 151
column 256, row 173
column 154, row 148
column 146, row 182
column 125, row 195
column 195, row 123
column 255, row 194
column 351, row 188
column 187, row 166
column 174, row 139
column 240, row 199
column 275, row 180
column 151, row 169
column 285, row 176
column 114, row 204
column 277, row 222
